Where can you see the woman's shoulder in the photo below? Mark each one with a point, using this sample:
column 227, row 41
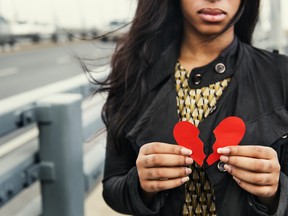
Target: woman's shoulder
column 263, row 56
column 261, row 52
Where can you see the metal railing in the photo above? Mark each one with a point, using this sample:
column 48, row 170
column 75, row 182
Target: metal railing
column 43, row 133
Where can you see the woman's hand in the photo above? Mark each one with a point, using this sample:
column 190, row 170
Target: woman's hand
column 256, row 169
column 162, row 166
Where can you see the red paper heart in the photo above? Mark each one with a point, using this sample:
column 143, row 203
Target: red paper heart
column 228, row 133
column 186, row 135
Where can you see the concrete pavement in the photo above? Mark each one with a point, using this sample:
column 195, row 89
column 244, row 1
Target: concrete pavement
column 96, row 206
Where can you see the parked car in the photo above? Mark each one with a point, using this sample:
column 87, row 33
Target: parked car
column 35, row 31
column 114, row 30
column 6, row 36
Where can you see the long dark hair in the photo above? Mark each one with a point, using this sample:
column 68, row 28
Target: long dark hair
column 156, row 24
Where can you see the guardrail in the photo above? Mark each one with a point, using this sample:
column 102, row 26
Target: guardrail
column 57, row 158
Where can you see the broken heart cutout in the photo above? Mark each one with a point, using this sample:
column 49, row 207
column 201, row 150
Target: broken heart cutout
column 186, row 135
column 228, row 133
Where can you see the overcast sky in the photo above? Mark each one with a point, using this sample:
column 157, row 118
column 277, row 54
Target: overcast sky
column 68, row 12
column 89, row 12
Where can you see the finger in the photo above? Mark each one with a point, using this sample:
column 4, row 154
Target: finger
column 252, row 164
column 262, row 152
column 166, row 173
column 257, row 190
column 164, row 148
column 158, row 185
column 166, row 160
column 260, row 179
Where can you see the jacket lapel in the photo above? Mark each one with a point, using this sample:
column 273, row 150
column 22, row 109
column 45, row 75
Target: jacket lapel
column 159, row 115
column 158, row 120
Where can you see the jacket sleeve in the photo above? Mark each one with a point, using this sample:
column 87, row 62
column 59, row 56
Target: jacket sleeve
column 121, row 183
column 282, row 209
column 284, row 71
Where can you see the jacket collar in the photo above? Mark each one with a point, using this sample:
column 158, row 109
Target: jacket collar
column 164, row 67
column 210, row 73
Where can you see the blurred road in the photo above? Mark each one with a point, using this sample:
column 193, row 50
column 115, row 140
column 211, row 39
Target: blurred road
column 30, row 68
column 25, row 70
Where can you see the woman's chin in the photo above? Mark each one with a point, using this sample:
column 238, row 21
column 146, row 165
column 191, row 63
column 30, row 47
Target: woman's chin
column 210, row 30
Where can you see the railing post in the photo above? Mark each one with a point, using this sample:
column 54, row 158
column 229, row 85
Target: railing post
column 276, row 25
column 60, row 125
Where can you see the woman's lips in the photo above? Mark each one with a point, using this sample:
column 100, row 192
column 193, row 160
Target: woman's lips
column 212, row 14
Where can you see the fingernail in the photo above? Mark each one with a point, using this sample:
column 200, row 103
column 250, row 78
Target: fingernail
column 224, row 158
column 237, row 180
column 188, row 160
column 227, row 168
column 185, row 179
column 186, row 151
column 223, row 150
column 188, row 171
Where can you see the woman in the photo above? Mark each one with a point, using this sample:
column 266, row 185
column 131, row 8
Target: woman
column 191, row 60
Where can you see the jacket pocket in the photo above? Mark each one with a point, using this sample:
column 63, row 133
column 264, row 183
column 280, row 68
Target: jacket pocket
column 270, row 129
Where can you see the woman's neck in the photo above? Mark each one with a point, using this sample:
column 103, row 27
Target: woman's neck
column 197, row 51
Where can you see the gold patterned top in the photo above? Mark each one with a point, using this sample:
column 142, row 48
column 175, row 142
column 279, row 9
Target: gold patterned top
column 194, row 105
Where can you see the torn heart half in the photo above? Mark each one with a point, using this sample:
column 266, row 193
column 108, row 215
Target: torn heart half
column 186, row 135
column 228, row 133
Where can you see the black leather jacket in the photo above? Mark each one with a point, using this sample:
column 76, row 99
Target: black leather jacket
column 258, row 93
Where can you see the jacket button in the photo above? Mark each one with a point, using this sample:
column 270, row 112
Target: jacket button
column 220, row 166
column 197, row 78
column 285, row 136
column 220, row 68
